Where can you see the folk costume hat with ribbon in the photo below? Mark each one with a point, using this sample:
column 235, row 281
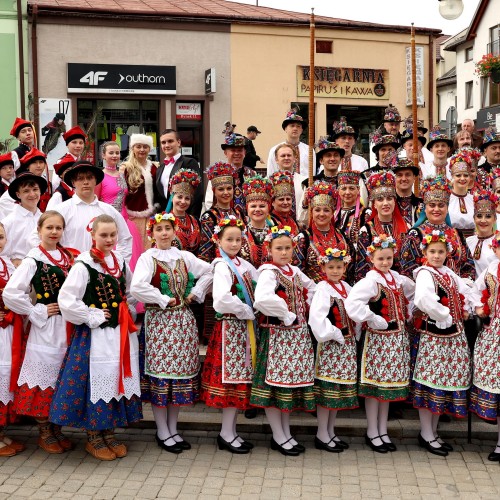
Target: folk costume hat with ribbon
column 485, row 202
column 221, row 174
column 324, row 145
column 282, row 182
column 83, row 166
column 460, row 162
column 408, row 136
column 491, row 136
column 18, row 125
column 320, row 194
column 379, row 140
column 404, row 163
column 292, row 116
column 30, row 157
column 391, row 114
column 24, row 178
column 342, row 128
column 185, row 182
column 74, row 133
column 408, row 123
column 62, row 167
column 6, row 159
column 435, row 136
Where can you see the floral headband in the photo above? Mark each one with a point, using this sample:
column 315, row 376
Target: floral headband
column 156, row 219
column 436, row 236
column 495, row 242
column 334, row 254
column 230, row 220
column 277, row 232
column 381, row 242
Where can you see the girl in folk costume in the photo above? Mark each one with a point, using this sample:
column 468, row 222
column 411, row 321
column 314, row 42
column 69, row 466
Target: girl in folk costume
column 322, row 233
column 163, row 280
column 187, row 228
column 461, row 207
column 380, row 299
column 349, row 214
column 385, row 218
column 284, row 374
column 336, row 365
column 140, row 174
column 10, row 357
column 485, row 203
column 283, row 200
column 229, row 364
column 436, row 194
column 442, row 373
column 257, row 192
column 44, row 270
column 113, row 187
column 99, row 383
column 485, row 392
column 222, row 176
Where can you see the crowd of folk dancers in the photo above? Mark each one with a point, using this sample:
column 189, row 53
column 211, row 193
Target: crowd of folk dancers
column 310, row 297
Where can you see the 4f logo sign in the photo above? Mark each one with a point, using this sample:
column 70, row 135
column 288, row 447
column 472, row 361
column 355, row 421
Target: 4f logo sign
column 93, row 77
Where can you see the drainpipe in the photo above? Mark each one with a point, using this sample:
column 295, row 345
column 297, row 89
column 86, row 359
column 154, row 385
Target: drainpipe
column 34, row 56
column 20, row 43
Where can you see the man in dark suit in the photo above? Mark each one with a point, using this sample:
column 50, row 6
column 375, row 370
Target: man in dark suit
column 170, row 144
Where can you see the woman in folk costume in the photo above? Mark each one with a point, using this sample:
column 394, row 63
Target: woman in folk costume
column 461, row 207
column 113, row 187
column 283, row 200
column 43, row 271
column 495, row 187
column 284, row 374
column 169, row 346
column 11, row 326
column 436, row 194
column 322, row 233
column 349, row 213
column 336, row 361
column 229, row 364
column 99, row 384
column 385, row 218
column 258, row 192
column 485, row 392
column 443, row 369
column 381, row 300
column 140, row 174
column 183, row 185
column 485, row 203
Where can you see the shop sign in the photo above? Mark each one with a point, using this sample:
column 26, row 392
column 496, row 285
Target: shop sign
column 210, row 81
column 488, row 117
column 188, row 111
column 419, row 67
column 121, row 79
column 344, row 83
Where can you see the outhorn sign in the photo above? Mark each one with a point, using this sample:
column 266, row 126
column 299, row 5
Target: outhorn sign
column 121, row 79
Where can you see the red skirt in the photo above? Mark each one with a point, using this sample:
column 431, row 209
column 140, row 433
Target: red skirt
column 7, row 415
column 213, row 391
column 33, row 402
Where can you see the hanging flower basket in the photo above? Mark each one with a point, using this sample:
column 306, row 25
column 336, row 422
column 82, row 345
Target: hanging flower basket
column 489, row 65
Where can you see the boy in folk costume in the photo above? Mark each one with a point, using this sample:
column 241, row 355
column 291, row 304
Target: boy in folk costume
column 381, row 300
column 336, row 365
column 23, row 131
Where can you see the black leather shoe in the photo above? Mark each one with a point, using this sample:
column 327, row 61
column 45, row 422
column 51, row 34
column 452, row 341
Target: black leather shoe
column 381, row 448
column 431, row 449
column 174, row 448
column 224, row 445
column 246, row 444
column 292, row 452
column 183, row 444
column 494, row 456
column 390, row 446
column 339, row 442
column 299, row 447
column 331, row 446
column 251, row 413
column 446, row 446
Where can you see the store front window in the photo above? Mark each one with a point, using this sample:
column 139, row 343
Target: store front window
column 189, row 127
column 116, row 120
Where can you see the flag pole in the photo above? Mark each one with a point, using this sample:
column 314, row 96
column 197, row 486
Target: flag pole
column 414, row 110
column 312, row 50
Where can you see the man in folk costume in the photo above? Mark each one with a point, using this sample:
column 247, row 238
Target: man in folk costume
column 293, row 125
column 64, row 191
column 174, row 161
column 75, row 142
column 392, row 122
column 425, row 156
column 440, row 146
column 234, row 151
column 6, row 171
column 491, row 149
column 384, row 147
column 409, row 204
column 345, row 136
column 23, row 131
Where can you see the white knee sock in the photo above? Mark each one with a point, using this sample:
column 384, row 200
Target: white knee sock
column 160, row 415
column 332, row 417
column 371, row 408
column 274, row 418
column 323, row 419
column 383, row 416
column 426, row 426
column 172, row 418
column 227, row 430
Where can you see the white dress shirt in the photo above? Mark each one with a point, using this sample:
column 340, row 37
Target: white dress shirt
column 272, row 165
column 19, row 224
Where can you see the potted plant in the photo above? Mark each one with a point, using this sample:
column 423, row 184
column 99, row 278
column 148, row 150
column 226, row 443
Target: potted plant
column 489, row 65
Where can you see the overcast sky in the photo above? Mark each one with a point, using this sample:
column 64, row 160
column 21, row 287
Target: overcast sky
column 424, row 13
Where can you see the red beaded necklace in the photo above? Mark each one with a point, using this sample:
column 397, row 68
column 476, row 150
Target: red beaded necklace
column 288, row 272
column 322, row 240
column 4, row 273
column 390, row 283
column 445, row 276
column 114, row 271
column 63, row 263
column 342, row 292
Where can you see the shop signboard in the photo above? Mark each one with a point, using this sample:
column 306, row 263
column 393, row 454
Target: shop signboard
column 188, row 111
column 344, row 83
column 488, row 117
column 121, row 79
column 419, row 66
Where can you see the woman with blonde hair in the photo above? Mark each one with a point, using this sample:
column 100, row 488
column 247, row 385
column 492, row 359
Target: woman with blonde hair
column 140, row 176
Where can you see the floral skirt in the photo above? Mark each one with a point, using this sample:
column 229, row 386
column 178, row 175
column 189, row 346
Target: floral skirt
column 484, row 404
column 213, row 391
column 282, row 398
column 7, row 414
column 162, row 392
column 33, row 402
column 439, row 401
column 335, row 396
column 71, row 403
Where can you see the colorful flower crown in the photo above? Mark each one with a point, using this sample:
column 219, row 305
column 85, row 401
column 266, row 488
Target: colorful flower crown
column 495, row 178
column 474, row 153
column 319, row 194
column 381, row 242
column 382, row 184
column 292, row 115
column 230, row 220
column 437, row 236
column 282, row 182
column 156, row 219
column 234, row 140
column 334, row 254
column 221, row 173
column 257, row 188
column 185, row 181
column 278, row 232
column 348, row 177
column 485, row 202
column 461, row 161
column 436, row 189
column 495, row 242
column 391, row 114
column 435, row 134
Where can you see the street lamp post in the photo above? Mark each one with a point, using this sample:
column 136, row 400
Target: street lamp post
column 451, row 9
